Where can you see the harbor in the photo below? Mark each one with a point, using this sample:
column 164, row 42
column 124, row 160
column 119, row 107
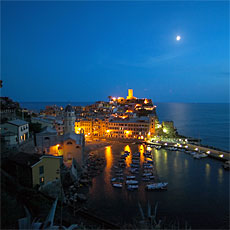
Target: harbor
column 183, row 200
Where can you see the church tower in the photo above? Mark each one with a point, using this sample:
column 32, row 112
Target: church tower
column 69, row 119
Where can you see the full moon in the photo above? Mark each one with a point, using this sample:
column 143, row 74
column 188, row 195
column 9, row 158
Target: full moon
column 178, row 38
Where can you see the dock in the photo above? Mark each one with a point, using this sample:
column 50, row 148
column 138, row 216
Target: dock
column 213, row 153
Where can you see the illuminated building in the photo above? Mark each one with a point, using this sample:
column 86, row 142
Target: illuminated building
column 131, row 129
column 130, row 95
column 18, row 128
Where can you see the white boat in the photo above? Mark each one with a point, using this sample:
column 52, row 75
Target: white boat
column 148, row 166
column 117, row 185
column 131, row 182
column 203, row 155
column 193, row 153
column 147, row 174
column 131, row 187
column 155, row 186
column 196, row 156
column 130, row 177
column 113, row 179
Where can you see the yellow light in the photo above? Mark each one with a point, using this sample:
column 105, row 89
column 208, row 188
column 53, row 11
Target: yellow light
column 107, row 131
column 208, row 152
column 221, row 155
column 164, row 130
column 175, row 145
column 149, row 148
column 142, row 137
column 58, row 145
column 186, row 146
column 146, row 101
column 114, row 98
column 196, row 149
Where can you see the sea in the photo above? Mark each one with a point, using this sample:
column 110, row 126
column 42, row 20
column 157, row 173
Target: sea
column 198, row 190
column 206, row 121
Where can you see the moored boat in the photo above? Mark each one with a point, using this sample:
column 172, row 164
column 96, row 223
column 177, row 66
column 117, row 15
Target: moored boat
column 156, row 186
column 117, row 185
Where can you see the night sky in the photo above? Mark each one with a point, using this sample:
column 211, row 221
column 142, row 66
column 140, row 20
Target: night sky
column 86, row 51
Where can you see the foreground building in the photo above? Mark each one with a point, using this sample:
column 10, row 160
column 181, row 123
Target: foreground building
column 33, row 169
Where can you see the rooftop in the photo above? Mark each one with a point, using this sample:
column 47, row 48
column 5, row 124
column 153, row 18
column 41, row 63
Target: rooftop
column 18, row 122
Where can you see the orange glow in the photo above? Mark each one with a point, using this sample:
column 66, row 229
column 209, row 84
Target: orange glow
column 146, row 101
column 129, row 111
column 114, row 98
column 141, row 150
column 128, row 159
column 109, row 159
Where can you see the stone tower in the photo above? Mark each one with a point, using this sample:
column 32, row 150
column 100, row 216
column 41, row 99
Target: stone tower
column 69, row 119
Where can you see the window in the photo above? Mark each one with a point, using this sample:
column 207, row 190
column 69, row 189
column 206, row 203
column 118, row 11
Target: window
column 41, row 170
column 69, row 143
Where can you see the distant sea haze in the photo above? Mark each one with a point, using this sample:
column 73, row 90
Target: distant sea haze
column 206, row 121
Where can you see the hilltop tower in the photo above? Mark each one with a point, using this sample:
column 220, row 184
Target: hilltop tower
column 69, row 119
column 130, row 94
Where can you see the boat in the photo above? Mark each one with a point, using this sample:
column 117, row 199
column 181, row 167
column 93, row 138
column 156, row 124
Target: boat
column 196, row 156
column 203, row 155
column 134, row 170
column 113, row 179
column 148, row 166
column 147, row 174
column 132, row 187
column 134, row 165
column 117, row 185
column 145, row 178
column 131, row 182
column 156, row 186
column 130, row 177
column 119, row 174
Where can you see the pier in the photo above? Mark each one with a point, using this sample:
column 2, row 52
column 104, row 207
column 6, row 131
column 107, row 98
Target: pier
column 214, row 153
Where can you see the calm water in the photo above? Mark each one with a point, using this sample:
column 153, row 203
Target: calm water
column 198, row 190
column 209, row 122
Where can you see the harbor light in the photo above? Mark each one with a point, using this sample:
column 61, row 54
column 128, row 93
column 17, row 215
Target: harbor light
column 186, row 140
column 166, row 144
column 180, row 146
column 221, row 155
column 149, row 148
column 157, row 141
column 196, row 149
column 186, row 146
column 208, row 152
column 175, row 145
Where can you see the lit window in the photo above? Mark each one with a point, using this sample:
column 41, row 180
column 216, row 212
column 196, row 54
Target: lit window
column 42, row 180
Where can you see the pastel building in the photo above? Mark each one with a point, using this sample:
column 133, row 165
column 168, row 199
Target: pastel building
column 18, row 129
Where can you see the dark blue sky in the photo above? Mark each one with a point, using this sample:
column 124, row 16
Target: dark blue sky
column 85, row 51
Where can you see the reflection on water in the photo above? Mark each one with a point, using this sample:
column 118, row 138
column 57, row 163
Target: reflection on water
column 220, row 175
column 109, row 162
column 185, row 163
column 128, row 159
column 207, row 170
column 141, row 149
column 165, row 154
